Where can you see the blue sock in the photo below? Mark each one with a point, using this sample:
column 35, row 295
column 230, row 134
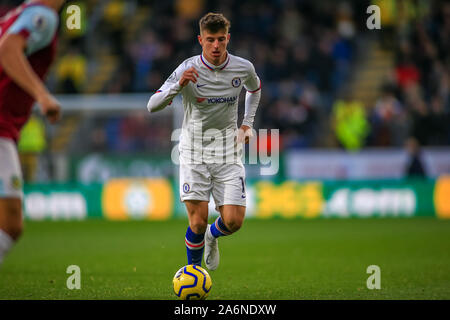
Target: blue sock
column 219, row 229
column 195, row 245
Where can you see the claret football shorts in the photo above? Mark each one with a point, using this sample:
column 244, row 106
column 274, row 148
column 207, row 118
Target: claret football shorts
column 226, row 183
column 10, row 171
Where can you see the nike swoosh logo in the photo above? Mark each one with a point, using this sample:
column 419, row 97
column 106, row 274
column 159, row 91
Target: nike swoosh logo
column 201, row 85
column 207, row 259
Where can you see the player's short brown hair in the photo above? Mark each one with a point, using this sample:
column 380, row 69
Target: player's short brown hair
column 214, row 22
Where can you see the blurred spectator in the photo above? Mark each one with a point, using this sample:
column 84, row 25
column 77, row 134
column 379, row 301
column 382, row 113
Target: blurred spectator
column 71, row 71
column 291, row 24
column 144, row 53
column 421, row 126
column 31, row 144
column 322, row 62
column 344, row 20
column 439, row 122
column 414, row 167
column 407, row 73
column 350, row 123
column 189, row 9
column 114, row 22
column 388, row 120
column 430, row 122
column 388, row 18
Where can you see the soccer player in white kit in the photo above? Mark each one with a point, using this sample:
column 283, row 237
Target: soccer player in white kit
column 210, row 144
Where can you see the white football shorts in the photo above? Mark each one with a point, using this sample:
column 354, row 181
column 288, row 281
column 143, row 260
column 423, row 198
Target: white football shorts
column 10, row 171
column 226, row 183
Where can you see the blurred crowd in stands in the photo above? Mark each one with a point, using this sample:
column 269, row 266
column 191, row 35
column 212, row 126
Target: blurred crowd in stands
column 305, row 52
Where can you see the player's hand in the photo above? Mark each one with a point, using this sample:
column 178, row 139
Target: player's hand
column 244, row 134
column 189, row 75
column 50, row 107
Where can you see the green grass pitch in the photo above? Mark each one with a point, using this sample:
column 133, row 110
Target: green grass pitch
column 267, row 259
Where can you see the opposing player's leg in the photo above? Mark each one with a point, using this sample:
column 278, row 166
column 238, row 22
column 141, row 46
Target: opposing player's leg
column 230, row 197
column 195, row 233
column 11, row 224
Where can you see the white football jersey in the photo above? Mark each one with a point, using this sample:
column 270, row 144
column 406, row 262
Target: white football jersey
column 210, row 107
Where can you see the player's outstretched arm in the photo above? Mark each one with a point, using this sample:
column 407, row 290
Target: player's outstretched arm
column 164, row 96
column 17, row 67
